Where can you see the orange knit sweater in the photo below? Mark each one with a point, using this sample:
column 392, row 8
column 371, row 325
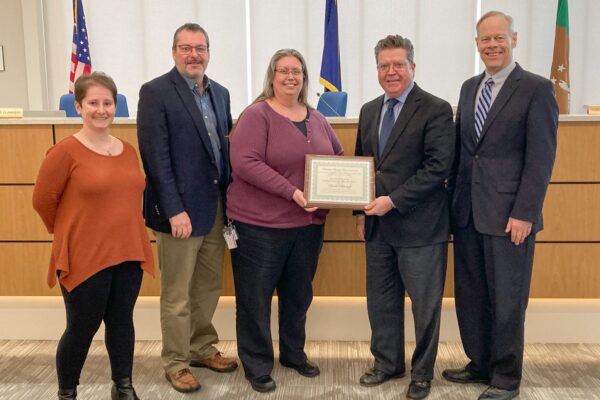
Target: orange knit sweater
column 92, row 204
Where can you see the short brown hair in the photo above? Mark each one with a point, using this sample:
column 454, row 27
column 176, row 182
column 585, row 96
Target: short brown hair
column 192, row 27
column 84, row 82
column 396, row 42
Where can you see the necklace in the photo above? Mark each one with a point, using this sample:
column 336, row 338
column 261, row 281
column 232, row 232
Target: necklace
column 96, row 146
column 110, row 141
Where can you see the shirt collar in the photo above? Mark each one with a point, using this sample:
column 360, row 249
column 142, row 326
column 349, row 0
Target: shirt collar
column 192, row 83
column 500, row 76
column 403, row 96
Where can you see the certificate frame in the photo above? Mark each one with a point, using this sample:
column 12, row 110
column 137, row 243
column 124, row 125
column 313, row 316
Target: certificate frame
column 339, row 181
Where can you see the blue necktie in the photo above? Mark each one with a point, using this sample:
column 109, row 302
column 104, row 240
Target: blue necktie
column 387, row 124
column 483, row 107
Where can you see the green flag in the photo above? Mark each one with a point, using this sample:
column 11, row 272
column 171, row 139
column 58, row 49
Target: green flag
column 560, row 61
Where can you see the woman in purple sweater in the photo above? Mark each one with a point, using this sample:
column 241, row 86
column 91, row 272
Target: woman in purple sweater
column 279, row 239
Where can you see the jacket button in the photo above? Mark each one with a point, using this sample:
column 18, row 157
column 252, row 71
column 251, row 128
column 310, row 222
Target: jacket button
column 378, row 172
column 476, row 157
column 216, row 181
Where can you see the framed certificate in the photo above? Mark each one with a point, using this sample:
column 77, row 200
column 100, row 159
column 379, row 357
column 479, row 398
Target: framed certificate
column 339, row 181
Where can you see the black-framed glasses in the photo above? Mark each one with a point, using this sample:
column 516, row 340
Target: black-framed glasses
column 186, row 49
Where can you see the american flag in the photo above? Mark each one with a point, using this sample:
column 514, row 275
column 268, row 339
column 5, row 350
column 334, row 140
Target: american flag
column 81, row 61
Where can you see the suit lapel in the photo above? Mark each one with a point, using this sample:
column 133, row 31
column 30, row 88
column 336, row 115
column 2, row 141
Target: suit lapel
column 409, row 109
column 469, row 111
column 373, row 126
column 189, row 102
column 509, row 87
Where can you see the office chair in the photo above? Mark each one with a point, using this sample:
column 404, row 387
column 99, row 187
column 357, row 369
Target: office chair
column 67, row 103
column 333, row 104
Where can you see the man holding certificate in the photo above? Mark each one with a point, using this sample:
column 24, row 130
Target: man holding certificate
column 406, row 228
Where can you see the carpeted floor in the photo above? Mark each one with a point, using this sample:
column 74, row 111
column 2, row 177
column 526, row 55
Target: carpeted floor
column 551, row 372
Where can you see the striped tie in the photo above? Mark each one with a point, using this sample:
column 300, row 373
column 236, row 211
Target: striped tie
column 483, row 107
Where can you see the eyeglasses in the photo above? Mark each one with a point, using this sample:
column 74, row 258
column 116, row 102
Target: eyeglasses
column 287, row 71
column 396, row 66
column 185, row 49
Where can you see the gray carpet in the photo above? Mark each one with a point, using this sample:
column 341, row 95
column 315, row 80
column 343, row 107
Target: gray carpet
column 552, row 372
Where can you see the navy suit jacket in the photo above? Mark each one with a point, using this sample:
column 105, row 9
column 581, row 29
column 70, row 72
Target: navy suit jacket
column 506, row 173
column 412, row 170
column 181, row 172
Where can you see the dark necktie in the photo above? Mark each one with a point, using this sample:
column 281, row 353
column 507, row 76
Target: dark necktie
column 387, row 124
column 483, row 107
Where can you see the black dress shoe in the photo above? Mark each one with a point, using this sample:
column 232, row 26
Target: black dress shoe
column 263, row 384
column 375, row 377
column 307, row 368
column 418, row 389
column 67, row 394
column 122, row 389
column 496, row 393
column 463, row 375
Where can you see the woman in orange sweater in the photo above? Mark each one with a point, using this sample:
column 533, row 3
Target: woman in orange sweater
column 88, row 193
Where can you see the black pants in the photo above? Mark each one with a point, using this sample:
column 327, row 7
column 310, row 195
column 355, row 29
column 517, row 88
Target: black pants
column 107, row 296
column 391, row 273
column 267, row 259
column 491, row 279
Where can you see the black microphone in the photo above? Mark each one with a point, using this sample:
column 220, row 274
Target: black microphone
column 328, row 105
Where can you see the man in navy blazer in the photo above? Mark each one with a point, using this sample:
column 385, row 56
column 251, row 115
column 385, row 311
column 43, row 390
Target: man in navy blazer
column 183, row 121
column 407, row 226
column 502, row 170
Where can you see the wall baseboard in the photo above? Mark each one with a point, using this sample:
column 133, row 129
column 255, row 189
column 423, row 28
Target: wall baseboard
column 329, row 318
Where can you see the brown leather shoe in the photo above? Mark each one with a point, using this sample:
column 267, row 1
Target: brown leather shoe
column 217, row 363
column 183, row 381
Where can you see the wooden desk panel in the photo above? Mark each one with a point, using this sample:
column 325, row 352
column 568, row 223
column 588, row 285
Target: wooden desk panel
column 23, row 147
column 571, row 213
column 563, row 270
column 24, row 268
column 19, row 221
column 577, row 157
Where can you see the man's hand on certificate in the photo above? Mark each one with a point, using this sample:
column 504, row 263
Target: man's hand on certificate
column 299, row 199
column 380, row 206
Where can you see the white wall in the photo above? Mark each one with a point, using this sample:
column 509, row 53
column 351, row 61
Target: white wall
column 131, row 41
column 13, row 80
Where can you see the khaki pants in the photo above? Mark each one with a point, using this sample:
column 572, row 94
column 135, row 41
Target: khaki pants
column 191, row 282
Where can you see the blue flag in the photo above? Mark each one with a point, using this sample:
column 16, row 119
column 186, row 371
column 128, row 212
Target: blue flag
column 331, row 76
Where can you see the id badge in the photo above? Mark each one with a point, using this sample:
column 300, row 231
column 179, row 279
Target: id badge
column 230, row 235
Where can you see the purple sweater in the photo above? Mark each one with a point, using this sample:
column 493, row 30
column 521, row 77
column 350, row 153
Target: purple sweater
column 267, row 158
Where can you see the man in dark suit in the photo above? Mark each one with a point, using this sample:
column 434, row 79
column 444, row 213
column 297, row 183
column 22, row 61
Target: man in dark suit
column 183, row 121
column 506, row 143
column 406, row 228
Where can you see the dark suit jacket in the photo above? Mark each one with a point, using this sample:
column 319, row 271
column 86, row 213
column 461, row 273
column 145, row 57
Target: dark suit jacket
column 181, row 172
column 413, row 168
column 507, row 172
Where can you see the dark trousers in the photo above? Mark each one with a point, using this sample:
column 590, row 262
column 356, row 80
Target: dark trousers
column 267, row 259
column 392, row 271
column 107, row 296
column 492, row 278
